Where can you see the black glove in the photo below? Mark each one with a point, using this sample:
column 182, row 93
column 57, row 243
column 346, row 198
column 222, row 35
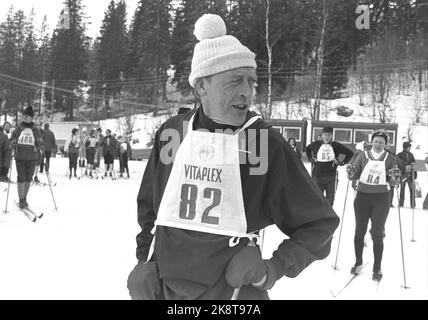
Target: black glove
column 248, row 267
column 144, row 282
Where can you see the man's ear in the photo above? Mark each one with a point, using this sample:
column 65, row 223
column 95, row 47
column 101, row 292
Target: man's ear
column 200, row 87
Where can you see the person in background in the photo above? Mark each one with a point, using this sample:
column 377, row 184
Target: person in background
column 5, row 157
column 72, row 147
column 293, row 145
column 49, row 145
column 124, row 155
column 109, row 145
column 327, row 155
column 26, row 143
column 7, row 129
column 98, row 148
column 90, row 145
column 373, row 170
column 82, row 151
column 408, row 161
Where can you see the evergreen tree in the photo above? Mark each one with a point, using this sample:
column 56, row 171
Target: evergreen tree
column 69, row 56
column 112, row 48
column 8, row 63
column 149, row 50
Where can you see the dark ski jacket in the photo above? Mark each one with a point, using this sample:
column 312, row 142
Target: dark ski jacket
column 327, row 169
column 192, row 264
column 26, row 152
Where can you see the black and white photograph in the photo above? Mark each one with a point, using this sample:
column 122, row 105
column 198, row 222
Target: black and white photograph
column 222, row 150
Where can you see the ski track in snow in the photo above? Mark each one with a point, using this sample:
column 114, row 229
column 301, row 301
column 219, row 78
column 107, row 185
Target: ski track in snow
column 87, row 249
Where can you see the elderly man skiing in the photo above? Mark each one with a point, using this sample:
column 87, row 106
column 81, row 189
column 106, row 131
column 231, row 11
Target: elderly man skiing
column 204, row 198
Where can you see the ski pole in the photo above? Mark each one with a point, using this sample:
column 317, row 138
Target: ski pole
column 402, row 249
column 8, row 188
column 413, row 204
column 50, row 187
column 236, row 291
column 341, row 226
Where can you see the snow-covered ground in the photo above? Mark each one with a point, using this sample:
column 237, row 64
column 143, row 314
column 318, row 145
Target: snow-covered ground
column 87, row 249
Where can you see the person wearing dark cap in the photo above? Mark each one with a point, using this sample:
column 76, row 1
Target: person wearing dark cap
column 26, row 143
column 326, row 155
column 49, row 143
column 409, row 174
column 72, row 147
column 109, row 145
column 5, row 157
column 374, row 170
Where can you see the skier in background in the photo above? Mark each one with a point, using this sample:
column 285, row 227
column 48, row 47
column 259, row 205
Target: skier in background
column 26, row 143
column 373, row 170
column 327, row 155
column 408, row 162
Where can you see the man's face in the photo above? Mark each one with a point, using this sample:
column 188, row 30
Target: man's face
column 228, row 95
column 26, row 118
column 327, row 136
column 6, row 127
column 108, row 133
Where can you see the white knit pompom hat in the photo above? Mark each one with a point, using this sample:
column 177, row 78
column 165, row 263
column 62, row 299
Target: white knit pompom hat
column 217, row 52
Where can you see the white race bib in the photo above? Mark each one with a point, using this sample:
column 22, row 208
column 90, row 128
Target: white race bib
column 374, row 173
column 204, row 190
column 325, row 153
column 27, row 137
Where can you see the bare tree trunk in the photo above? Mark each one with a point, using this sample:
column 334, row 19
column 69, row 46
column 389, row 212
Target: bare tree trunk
column 269, row 51
column 320, row 62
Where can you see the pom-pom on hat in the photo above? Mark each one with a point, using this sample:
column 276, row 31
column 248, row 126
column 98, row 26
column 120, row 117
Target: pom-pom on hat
column 216, row 51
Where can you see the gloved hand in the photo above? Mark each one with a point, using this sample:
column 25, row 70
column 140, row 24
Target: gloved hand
column 143, row 282
column 351, row 170
column 247, row 267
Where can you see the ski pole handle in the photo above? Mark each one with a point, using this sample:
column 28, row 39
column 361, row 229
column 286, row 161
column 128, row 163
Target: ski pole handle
column 236, row 291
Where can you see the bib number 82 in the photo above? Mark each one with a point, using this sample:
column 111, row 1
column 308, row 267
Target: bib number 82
column 189, row 195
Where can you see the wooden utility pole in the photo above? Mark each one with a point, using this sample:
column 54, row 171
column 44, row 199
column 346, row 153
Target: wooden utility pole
column 320, row 63
column 269, row 51
column 53, row 99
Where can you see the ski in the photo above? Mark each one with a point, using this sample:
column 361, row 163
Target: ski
column 37, row 215
column 30, row 213
column 348, row 282
column 32, row 217
column 44, row 184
